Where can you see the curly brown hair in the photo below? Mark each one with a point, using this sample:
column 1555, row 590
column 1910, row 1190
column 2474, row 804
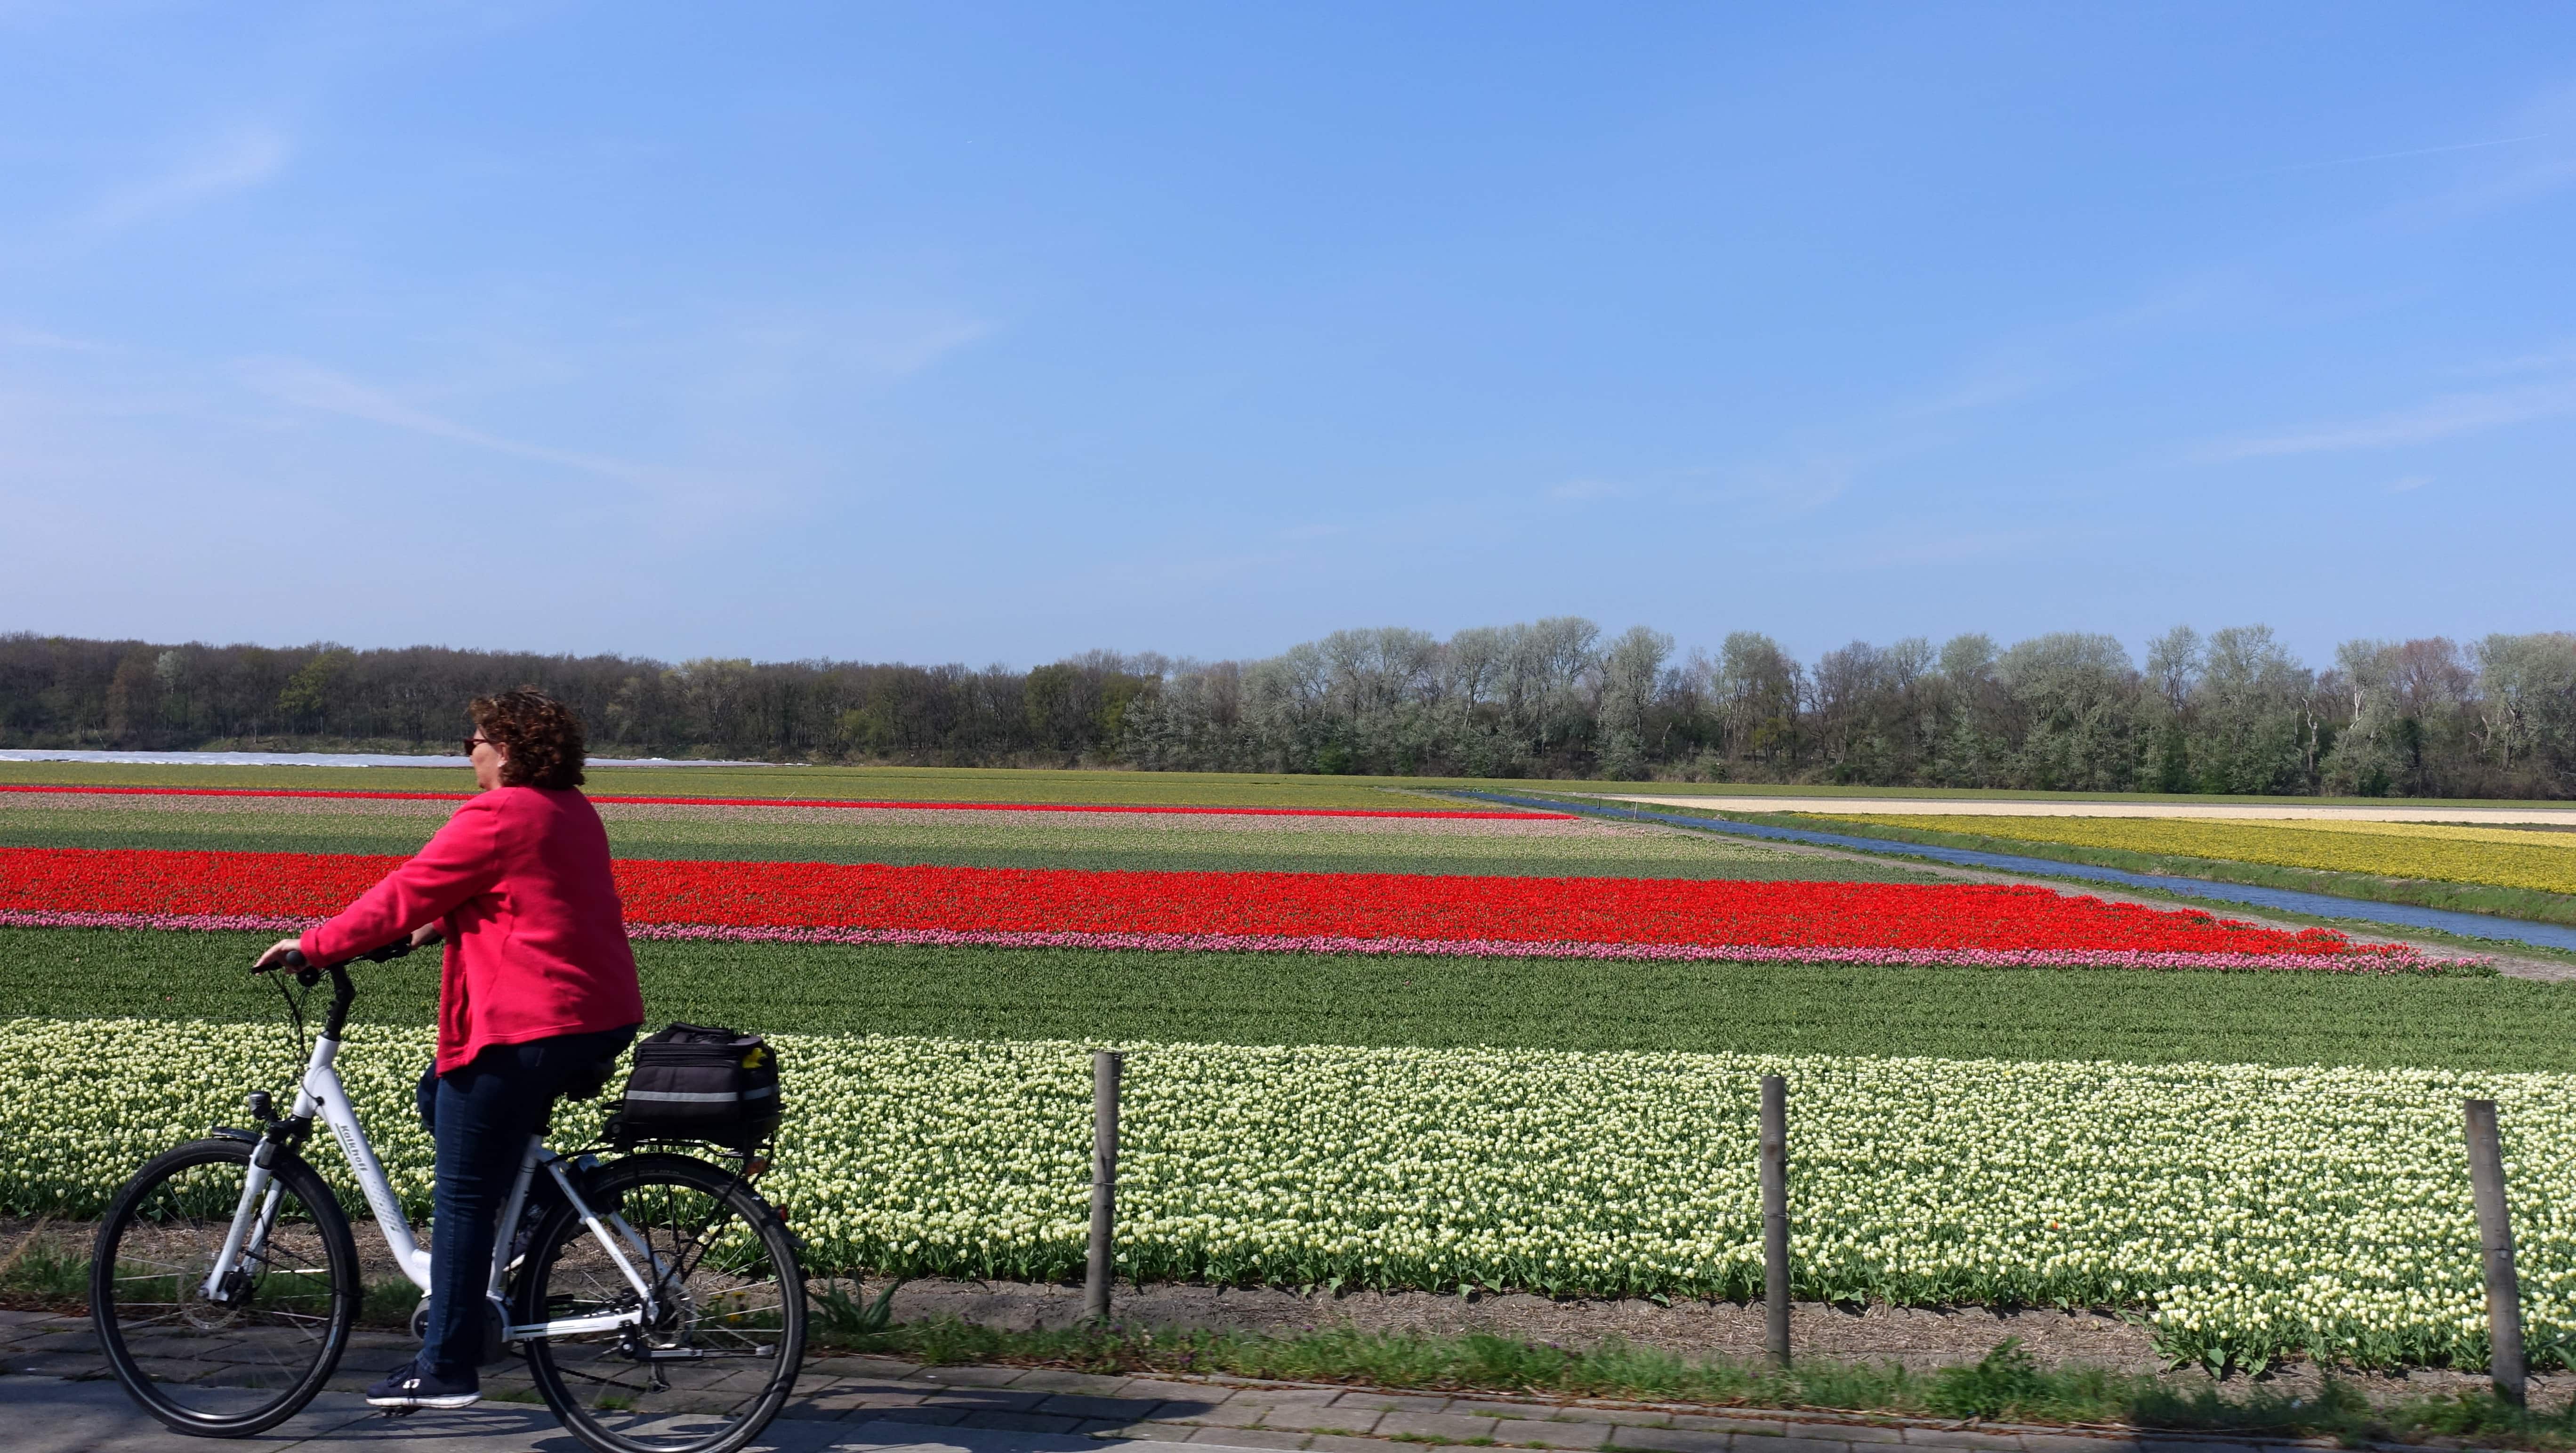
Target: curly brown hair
column 544, row 737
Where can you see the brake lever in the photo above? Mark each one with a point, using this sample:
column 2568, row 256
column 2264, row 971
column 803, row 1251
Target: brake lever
column 293, row 962
column 309, row 973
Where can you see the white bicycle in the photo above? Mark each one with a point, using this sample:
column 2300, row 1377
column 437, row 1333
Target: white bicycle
column 656, row 1297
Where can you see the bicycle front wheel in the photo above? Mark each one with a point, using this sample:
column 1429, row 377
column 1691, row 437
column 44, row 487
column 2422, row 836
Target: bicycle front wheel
column 252, row 1353
column 719, row 1354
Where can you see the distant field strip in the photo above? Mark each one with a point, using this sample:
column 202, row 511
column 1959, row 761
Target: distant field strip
column 1510, row 845
column 873, row 784
column 833, row 803
column 1104, row 996
column 2501, row 857
column 1371, row 913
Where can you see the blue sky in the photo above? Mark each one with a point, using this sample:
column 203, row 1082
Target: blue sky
column 971, row 332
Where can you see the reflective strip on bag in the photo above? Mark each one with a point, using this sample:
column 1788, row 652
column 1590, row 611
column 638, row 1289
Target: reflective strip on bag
column 694, row 1097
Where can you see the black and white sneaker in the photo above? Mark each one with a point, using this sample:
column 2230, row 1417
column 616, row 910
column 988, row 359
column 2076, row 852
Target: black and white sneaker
column 417, row 1387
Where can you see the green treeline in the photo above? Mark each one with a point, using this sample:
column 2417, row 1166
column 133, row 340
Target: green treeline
column 2230, row 712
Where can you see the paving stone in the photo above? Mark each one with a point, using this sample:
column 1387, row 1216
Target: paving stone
column 1122, row 1410
column 1449, row 1426
column 1193, row 1408
column 1228, row 1414
column 833, row 1402
column 862, row 1366
column 983, row 1399
column 513, row 1395
column 1629, row 1417
column 1793, row 1444
column 1274, row 1397
column 1477, row 1409
column 1150, row 1432
column 971, row 1376
column 1393, row 1402
column 1048, row 1379
column 936, row 1417
column 1019, row 1422
column 1676, row 1440
column 1174, row 1390
column 1338, row 1443
column 1848, row 1432
column 2078, row 1443
column 1759, row 1427
column 76, row 1365
column 1557, row 1434
column 1323, row 1417
column 1250, row 1437
column 892, row 1387
column 53, row 1338
column 1962, row 1438
column 2198, row 1445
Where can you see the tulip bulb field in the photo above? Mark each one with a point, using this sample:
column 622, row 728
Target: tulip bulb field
column 1383, row 1038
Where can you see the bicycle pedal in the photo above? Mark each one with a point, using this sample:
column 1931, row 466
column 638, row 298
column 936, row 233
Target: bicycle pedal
column 400, row 1412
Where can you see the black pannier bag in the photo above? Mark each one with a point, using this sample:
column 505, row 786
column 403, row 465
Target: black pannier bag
column 691, row 1082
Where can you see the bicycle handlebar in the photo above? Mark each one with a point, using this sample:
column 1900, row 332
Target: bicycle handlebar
column 296, row 963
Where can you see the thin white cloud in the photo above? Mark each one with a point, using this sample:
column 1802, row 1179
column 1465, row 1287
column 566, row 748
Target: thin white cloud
column 310, row 386
column 2410, row 482
column 1579, row 490
column 230, row 163
column 2411, row 151
column 38, row 338
column 1990, row 389
column 1935, row 549
column 2438, row 419
column 2546, row 361
column 899, row 351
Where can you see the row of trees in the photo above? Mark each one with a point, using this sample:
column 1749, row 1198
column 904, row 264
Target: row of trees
column 2233, row 711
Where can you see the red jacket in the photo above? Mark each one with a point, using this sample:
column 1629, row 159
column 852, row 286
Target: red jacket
column 536, row 939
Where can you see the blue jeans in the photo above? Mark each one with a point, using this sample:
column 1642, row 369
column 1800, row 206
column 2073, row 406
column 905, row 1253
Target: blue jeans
column 480, row 1116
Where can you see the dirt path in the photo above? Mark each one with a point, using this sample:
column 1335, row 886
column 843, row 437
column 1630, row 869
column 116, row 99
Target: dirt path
column 1919, row 1338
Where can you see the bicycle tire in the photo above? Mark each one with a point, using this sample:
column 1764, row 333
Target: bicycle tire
column 733, row 1308
column 212, row 1368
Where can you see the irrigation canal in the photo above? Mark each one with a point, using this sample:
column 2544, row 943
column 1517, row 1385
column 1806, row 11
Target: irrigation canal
column 2285, row 900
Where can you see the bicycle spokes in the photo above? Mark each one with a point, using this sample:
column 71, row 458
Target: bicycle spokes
column 211, row 1347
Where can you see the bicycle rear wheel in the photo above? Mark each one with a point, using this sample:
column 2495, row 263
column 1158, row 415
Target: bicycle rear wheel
column 720, row 1356
column 254, row 1354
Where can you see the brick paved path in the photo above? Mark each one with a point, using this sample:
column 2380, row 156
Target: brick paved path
column 50, row 1385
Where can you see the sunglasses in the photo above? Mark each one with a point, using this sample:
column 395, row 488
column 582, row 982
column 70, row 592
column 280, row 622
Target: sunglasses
column 478, row 740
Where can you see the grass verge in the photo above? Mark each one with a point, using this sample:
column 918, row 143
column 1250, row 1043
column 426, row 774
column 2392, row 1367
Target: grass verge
column 2138, row 1016
column 2007, row 1385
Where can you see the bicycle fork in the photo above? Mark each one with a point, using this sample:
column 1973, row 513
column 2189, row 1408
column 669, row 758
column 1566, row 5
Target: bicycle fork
column 247, row 1238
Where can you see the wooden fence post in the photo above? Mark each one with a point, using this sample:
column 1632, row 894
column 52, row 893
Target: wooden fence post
column 1105, row 1067
column 1775, row 1217
column 2495, row 1241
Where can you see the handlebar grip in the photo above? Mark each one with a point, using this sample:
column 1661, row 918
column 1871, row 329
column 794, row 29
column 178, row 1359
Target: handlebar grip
column 293, row 963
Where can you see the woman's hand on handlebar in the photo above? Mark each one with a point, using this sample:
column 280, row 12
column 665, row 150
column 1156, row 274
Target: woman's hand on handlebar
column 276, row 956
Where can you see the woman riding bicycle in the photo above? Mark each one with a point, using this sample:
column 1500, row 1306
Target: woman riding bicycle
column 538, row 985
